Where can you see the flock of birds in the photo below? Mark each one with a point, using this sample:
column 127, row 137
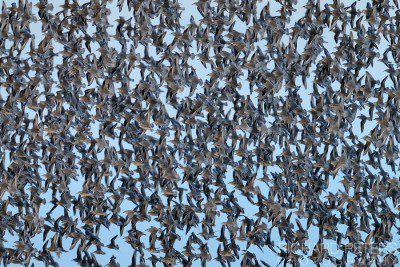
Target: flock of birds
column 176, row 130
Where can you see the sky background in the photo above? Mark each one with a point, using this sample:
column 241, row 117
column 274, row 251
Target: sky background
column 125, row 253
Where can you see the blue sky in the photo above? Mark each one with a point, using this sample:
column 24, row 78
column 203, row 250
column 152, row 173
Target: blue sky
column 125, row 253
